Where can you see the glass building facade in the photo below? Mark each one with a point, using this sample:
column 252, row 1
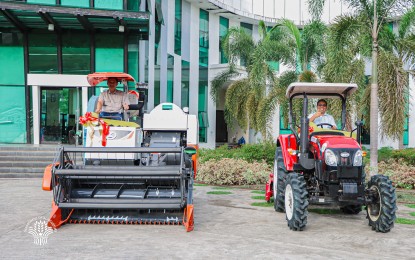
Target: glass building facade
column 174, row 46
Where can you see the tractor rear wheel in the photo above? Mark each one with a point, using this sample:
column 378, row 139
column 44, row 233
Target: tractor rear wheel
column 296, row 202
column 280, row 174
column 382, row 209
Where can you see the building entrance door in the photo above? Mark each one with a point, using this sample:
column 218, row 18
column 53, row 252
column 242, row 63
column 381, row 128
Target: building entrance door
column 59, row 113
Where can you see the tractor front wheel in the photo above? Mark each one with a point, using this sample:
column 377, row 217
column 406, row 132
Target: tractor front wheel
column 382, row 208
column 296, row 202
column 279, row 181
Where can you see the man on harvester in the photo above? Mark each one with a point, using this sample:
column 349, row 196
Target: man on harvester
column 111, row 102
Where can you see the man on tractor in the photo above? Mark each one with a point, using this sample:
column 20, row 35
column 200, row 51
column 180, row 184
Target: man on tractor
column 321, row 117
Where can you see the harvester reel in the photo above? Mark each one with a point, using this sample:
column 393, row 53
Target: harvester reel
column 279, row 181
column 382, row 208
column 296, row 202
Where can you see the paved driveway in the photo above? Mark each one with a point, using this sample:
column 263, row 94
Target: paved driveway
column 226, row 227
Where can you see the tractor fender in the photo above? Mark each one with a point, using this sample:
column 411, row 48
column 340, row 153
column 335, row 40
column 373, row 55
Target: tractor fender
column 268, row 188
column 195, row 158
column 288, row 142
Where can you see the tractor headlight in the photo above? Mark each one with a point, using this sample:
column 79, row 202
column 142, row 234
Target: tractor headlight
column 330, row 158
column 358, row 158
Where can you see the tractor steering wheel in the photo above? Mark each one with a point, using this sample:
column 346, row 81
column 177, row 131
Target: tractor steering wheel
column 322, row 124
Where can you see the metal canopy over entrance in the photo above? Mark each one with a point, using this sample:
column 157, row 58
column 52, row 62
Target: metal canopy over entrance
column 26, row 17
column 66, row 95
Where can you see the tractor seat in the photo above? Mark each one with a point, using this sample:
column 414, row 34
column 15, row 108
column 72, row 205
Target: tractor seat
column 326, row 133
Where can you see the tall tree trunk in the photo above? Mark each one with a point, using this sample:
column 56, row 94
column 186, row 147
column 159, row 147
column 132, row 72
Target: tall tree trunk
column 374, row 104
column 400, row 145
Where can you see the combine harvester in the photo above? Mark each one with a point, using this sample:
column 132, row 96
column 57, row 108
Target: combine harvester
column 125, row 173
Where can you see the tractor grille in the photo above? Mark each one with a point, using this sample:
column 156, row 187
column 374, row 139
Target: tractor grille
column 344, row 156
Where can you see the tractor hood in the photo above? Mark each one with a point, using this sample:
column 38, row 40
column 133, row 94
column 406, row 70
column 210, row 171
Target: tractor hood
column 332, row 141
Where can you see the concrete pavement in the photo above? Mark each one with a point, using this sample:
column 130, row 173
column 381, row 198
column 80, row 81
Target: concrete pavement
column 226, row 226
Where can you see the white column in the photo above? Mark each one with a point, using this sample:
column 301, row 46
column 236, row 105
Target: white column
column 163, row 52
column 84, row 100
column 194, row 60
column 36, row 114
column 177, row 84
column 411, row 123
column 150, row 103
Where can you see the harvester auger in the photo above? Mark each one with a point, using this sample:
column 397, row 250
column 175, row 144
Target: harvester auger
column 321, row 166
column 125, row 173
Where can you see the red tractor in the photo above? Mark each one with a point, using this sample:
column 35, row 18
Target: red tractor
column 315, row 165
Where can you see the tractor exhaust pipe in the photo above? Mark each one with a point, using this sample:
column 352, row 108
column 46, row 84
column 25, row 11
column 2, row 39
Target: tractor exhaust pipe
column 304, row 128
column 359, row 126
column 305, row 162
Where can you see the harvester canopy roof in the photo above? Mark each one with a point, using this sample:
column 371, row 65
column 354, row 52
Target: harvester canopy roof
column 320, row 90
column 97, row 77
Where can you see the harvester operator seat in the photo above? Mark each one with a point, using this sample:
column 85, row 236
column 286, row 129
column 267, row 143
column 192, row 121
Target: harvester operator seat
column 92, row 104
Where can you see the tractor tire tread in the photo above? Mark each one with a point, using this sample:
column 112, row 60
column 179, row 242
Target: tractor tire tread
column 386, row 219
column 300, row 214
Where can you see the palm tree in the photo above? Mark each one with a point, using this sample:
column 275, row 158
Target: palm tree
column 243, row 96
column 366, row 31
column 308, row 49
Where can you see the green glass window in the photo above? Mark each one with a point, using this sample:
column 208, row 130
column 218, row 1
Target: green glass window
column 406, row 123
column 185, row 83
column 109, row 53
column 48, row 2
column 75, row 3
column 76, row 53
column 109, row 4
column 248, row 29
column 178, row 27
column 43, row 57
column 203, row 74
column 275, row 65
column 133, row 5
column 133, row 56
column 11, row 59
column 284, row 128
column 223, row 30
column 204, row 29
column 170, row 77
column 157, row 52
column 156, row 84
column 202, row 106
column 12, row 114
column 12, row 90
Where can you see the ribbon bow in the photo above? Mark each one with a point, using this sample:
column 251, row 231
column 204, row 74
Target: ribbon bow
column 88, row 119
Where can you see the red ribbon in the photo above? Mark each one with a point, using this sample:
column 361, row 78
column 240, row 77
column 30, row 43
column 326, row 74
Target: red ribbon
column 88, row 118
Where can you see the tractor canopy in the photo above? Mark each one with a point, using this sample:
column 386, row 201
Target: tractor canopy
column 320, row 90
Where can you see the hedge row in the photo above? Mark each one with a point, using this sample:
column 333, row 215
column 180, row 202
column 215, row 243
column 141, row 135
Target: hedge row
column 248, row 152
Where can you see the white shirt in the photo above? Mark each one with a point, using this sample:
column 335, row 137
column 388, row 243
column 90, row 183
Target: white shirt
column 326, row 118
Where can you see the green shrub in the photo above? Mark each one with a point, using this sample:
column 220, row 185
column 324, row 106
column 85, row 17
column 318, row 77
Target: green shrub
column 407, row 155
column 228, row 171
column 401, row 174
column 215, row 154
column 248, row 152
column 387, row 153
column 384, row 154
